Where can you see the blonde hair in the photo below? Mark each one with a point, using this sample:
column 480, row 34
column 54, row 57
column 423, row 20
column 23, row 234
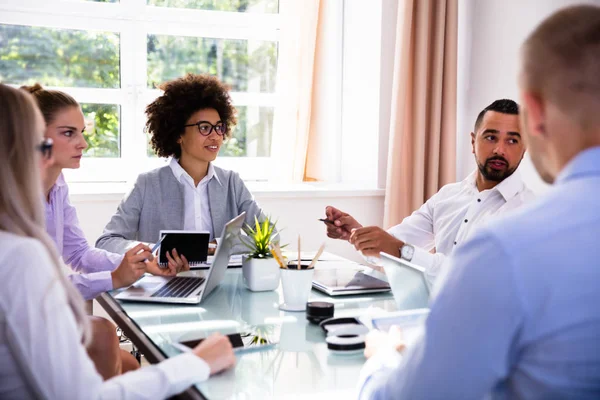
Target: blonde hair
column 21, row 196
column 561, row 63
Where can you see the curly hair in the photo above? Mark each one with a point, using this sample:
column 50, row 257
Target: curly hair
column 182, row 97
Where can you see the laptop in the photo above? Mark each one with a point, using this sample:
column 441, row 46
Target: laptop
column 409, row 286
column 346, row 281
column 187, row 289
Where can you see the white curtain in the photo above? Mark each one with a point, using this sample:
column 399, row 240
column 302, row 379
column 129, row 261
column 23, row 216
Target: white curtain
column 298, row 64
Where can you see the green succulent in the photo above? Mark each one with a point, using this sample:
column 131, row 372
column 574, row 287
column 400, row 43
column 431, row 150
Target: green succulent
column 259, row 238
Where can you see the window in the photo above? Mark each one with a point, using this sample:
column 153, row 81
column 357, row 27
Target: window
column 111, row 56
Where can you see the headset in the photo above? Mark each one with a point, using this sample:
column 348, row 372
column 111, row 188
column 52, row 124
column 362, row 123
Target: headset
column 344, row 335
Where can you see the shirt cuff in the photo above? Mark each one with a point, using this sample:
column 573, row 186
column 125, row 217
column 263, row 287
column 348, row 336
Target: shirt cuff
column 385, row 360
column 424, row 259
column 91, row 285
column 183, row 371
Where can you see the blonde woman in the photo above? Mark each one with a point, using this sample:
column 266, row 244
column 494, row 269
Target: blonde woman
column 43, row 327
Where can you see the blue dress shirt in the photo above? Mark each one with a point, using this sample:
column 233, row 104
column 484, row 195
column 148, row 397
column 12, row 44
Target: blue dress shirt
column 518, row 314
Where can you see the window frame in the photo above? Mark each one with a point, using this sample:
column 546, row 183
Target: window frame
column 133, row 20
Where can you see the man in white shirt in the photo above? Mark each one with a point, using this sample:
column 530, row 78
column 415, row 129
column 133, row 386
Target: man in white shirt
column 518, row 317
column 449, row 217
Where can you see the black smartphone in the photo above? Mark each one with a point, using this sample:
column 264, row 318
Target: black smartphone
column 327, row 221
column 234, row 338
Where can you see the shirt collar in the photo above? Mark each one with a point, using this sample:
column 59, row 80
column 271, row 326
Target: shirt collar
column 178, row 171
column 508, row 188
column 61, row 180
column 511, row 186
column 587, row 162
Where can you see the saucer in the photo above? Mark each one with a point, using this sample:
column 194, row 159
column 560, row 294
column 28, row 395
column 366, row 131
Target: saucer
column 285, row 307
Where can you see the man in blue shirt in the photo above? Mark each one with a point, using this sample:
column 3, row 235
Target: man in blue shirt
column 519, row 314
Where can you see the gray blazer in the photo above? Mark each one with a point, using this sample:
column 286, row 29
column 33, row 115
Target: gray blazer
column 156, row 202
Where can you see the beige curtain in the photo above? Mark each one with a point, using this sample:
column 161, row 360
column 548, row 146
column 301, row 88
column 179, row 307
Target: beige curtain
column 422, row 143
column 299, row 59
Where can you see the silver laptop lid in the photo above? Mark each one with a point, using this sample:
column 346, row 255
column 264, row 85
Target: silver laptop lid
column 217, row 270
column 408, row 282
column 349, row 278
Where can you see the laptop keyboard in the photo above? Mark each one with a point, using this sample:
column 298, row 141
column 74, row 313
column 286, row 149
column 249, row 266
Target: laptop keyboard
column 179, row 287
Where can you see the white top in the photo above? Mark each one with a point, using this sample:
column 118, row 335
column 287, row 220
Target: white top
column 40, row 351
column 517, row 311
column 196, row 216
column 450, row 216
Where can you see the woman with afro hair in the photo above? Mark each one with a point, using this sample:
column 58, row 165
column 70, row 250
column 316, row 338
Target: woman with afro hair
column 188, row 123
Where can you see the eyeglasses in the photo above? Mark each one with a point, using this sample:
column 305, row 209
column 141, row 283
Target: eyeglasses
column 46, row 148
column 205, row 128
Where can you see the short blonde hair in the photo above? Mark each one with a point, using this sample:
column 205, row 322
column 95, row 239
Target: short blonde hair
column 561, row 63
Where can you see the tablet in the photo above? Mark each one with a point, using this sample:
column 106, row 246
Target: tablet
column 192, row 244
column 410, row 322
column 246, row 341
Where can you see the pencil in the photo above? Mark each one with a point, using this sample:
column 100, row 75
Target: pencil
column 316, row 258
column 299, row 258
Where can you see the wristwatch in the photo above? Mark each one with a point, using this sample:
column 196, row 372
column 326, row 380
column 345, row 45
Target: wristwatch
column 407, row 251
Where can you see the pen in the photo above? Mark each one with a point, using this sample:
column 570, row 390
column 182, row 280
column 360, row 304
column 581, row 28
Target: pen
column 327, row 221
column 156, row 245
column 181, row 347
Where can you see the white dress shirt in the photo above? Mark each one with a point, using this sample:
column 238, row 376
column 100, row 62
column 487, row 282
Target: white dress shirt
column 41, row 355
column 517, row 313
column 196, row 215
column 450, row 216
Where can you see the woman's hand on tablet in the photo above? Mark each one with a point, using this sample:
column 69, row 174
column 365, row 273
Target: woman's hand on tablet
column 217, row 352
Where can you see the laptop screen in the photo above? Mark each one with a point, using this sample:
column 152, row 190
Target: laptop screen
column 409, row 285
column 218, row 268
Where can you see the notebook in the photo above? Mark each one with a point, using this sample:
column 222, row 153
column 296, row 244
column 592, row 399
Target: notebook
column 192, row 244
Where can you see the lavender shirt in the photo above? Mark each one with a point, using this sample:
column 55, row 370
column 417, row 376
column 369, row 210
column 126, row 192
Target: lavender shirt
column 93, row 265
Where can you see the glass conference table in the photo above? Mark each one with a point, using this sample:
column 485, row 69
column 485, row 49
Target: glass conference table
column 299, row 366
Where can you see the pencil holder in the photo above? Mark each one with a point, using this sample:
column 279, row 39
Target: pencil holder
column 296, row 284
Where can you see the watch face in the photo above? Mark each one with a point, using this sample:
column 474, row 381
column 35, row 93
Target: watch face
column 407, row 252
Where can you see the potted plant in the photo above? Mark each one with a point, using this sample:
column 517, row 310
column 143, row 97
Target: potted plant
column 259, row 268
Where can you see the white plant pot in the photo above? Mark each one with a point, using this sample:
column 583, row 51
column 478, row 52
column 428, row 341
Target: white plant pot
column 260, row 274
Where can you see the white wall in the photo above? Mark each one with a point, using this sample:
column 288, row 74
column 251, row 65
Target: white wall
column 490, row 35
column 297, row 212
column 361, row 91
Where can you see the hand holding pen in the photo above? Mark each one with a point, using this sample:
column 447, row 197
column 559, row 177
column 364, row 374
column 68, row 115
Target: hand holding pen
column 339, row 224
column 132, row 267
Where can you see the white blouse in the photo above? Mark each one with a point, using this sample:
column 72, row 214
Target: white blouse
column 41, row 355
